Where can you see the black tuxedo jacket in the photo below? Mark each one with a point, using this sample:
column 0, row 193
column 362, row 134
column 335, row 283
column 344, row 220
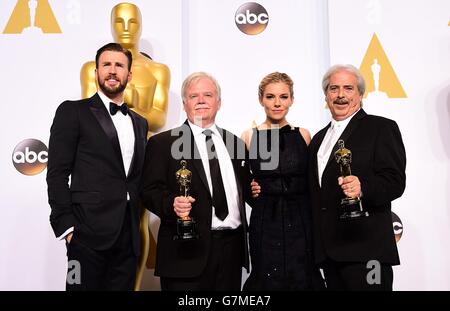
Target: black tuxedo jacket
column 163, row 155
column 379, row 162
column 84, row 145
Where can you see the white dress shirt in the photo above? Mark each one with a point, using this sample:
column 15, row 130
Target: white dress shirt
column 331, row 137
column 233, row 219
column 125, row 133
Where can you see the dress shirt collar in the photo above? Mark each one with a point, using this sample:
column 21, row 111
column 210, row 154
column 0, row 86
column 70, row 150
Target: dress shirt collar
column 106, row 100
column 197, row 130
column 343, row 123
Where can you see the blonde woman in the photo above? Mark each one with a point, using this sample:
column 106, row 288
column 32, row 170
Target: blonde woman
column 280, row 222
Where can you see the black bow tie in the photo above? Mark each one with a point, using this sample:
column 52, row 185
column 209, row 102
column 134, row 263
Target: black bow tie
column 113, row 108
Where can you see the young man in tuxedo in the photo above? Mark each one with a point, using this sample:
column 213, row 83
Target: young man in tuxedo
column 99, row 144
column 355, row 254
column 218, row 189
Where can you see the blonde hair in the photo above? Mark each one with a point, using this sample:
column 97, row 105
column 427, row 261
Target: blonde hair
column 275, row 77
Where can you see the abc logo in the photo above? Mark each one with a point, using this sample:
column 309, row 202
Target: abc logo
column 397, row 226
column 251, row 18
column 30, row 157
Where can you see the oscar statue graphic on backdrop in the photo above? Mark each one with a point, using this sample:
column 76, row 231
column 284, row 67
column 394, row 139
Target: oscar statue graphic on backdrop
column 376, row 93
column 32, row 17
column 376, row 68
column 147, row 94
column 32, row 4
column 382, row 82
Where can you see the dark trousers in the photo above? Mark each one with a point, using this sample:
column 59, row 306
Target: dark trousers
column 223, row 271
column 340, row 276
column 111, row 269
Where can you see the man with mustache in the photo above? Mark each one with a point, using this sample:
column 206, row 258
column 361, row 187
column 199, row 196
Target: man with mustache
column 355, row 254
column 218, row 188
column 99, row 143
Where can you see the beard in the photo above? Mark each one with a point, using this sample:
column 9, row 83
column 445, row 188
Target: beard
column 111, row 91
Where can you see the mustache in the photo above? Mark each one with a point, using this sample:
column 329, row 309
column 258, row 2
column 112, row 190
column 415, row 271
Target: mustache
column 340, row 101
column 201, row 106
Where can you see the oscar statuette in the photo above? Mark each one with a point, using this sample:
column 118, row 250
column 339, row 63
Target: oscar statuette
column 351, row 208
column 186, row 226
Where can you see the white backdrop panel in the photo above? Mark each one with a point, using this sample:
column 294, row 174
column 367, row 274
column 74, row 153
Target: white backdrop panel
column 295, row 41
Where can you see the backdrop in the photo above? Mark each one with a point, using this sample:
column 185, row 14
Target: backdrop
column 402, row 47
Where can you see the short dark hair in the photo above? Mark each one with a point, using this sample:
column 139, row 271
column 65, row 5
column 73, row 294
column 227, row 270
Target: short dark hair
column 116, row 47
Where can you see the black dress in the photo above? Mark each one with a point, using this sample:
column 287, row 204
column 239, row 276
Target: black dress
column 280, row 222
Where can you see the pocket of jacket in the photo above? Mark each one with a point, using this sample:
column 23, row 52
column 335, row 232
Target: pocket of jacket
column 85, row 197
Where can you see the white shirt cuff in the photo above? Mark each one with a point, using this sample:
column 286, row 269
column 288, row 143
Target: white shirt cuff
column 63, row 236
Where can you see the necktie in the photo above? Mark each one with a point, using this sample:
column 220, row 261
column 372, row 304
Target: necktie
column 219, row 199
column 330, row 138
column 324, row 154
column 113, row 108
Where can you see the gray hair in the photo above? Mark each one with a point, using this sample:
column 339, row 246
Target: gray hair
column 349, row 68
column 194, row 77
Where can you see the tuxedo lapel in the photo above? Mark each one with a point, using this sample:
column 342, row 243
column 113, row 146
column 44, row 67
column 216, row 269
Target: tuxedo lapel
column 320, row 137
column 137, row 139
column 315, row 149
column 352, row 125
column 103, row 117
column 195, row 156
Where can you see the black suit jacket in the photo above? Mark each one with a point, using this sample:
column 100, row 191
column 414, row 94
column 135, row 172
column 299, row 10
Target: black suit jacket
column 379, row 162
column 84, row 145
column 163, row 155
